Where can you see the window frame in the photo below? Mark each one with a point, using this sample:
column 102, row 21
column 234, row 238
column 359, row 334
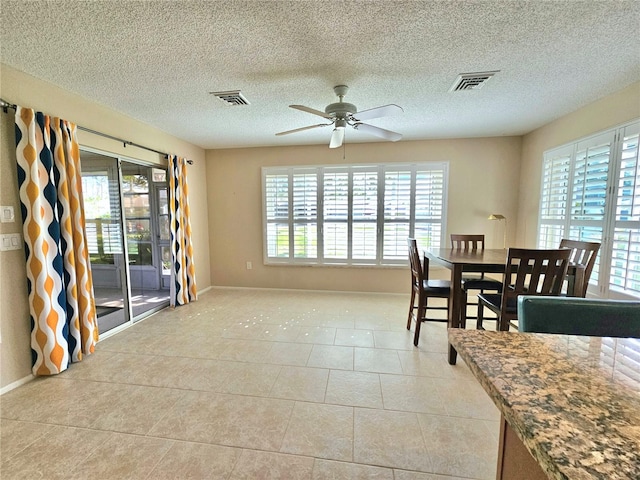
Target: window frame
column 413, row 168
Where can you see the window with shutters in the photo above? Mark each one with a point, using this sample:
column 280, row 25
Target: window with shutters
column 591, row 192
column 350, row 215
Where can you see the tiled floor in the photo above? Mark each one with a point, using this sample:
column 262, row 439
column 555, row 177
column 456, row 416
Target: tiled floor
column 258, row 384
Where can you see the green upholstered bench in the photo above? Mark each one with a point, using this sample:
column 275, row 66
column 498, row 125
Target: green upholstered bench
column 579, row 316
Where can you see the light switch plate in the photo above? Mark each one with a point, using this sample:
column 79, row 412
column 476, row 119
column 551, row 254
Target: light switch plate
column 7, row 214
column 10, row 241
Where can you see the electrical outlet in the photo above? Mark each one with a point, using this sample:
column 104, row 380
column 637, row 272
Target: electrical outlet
column 249, row 266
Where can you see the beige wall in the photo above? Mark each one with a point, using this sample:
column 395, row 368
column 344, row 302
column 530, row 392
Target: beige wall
column 603, row 114
column 21, row 89
column 483, row 179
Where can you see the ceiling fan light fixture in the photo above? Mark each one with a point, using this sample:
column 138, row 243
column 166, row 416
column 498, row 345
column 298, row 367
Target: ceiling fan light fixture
column 341, row 123
column 340, row 114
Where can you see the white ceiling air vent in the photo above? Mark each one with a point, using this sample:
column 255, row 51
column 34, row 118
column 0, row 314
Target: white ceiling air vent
column 471, row 81
column 231, row 97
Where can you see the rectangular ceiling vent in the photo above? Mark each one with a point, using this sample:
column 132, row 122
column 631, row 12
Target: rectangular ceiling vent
column 471, row 81
column 231, row 97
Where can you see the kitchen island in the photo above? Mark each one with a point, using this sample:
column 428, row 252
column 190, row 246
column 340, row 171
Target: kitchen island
column 570, row 405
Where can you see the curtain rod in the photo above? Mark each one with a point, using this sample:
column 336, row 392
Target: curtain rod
column 6, row 105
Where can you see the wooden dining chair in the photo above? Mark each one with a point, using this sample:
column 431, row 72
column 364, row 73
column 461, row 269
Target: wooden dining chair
column 471, row 282
column 527, row 272
column 422, row 289
column 584, row 254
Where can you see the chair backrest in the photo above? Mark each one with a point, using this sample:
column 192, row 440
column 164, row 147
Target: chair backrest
column 419, row 269
column 531, row 272
column 582, row 253
column 579, row 316
column 414, row 261
column 461, row 241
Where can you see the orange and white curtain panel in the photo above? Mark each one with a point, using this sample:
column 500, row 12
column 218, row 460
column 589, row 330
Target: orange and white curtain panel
column 60, row 287
column 183, row 285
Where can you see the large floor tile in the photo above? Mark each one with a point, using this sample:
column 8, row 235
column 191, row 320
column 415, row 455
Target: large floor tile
column 322, row 431
column 358, row 389
column 376, row 360
column 16, row 435
column 393, row 340
column 407, row 475
column 411, row 394
column 399, row 445
column 459, row 446
column 301, row 383
column 332, row 470
column 354, row 338
column 245, row 350
column 466, row 398
column 196, row 461
column 331, row 356
column 296, row 354
column 233, row 420
column 250, row 379
column 122, row 456
column 255, row 465
column 54, row 455
column 317, row 334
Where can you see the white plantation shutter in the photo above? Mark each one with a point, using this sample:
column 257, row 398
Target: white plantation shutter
column 365, row 215
column 276, row 195
column 397, row 213
column 590, row 192
column 429, row 207
column 553, row 198
column 336, row 215
column 589, row 189
column 351, row 214
column 625, row 261
column 305, row 215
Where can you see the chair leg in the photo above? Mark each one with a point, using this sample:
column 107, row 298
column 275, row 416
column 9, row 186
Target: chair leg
column 480, row 311
column 422, row 308
column 411, row 308
column 463, row 314
column 479, row 317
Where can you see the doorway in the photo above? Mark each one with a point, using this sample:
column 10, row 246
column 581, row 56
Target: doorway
column 125, row 234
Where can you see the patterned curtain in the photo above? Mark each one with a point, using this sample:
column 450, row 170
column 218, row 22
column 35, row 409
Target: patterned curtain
column 183, row 287
column 59, row 282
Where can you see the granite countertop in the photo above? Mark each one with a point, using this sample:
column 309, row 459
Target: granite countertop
column 573, row 401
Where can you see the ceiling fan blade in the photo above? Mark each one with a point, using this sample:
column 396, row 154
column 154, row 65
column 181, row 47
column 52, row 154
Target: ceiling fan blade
column 337, row 137
column 312, row 110
column 295, row 130
column 378, row 132
column 384, row 111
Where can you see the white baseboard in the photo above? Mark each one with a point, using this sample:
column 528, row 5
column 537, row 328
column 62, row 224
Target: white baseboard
column 345, row 292
column 16, row 384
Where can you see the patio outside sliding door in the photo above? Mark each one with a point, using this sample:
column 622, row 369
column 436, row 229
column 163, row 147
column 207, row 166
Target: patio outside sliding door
column 143, row 212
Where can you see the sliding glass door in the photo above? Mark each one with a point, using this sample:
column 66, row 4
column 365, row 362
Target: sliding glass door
column 103, row 216
column 125, row 231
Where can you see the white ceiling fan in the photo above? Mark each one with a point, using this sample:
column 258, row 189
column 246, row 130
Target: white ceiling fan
column 342, row 114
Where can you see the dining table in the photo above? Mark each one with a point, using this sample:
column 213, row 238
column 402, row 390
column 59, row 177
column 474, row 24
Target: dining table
column 490, row 260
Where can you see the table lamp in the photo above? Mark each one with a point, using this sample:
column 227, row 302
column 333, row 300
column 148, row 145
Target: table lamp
column 498, row 216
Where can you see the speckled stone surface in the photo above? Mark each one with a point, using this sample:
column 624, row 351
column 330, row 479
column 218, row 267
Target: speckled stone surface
column 573, row 401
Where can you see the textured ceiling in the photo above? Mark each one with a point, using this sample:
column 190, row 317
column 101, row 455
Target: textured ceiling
column 157, row 62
